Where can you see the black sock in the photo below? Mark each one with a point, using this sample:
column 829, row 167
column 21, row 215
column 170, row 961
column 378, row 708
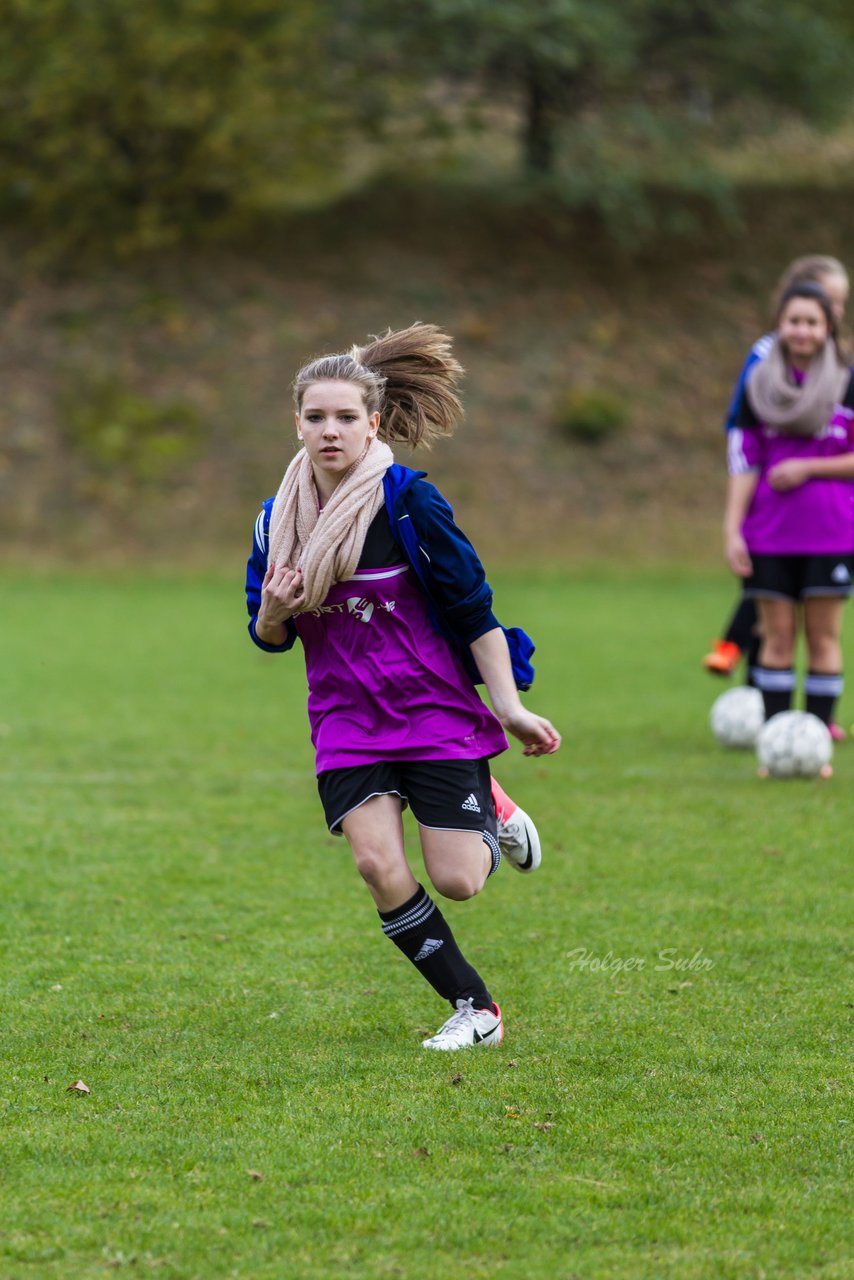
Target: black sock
column 822, row 692
column 777, row 684
column 424, row 936
column 742, row 624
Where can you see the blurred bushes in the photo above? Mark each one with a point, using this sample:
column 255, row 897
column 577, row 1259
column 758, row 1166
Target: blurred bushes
column 125, row 439
column 137, row 124
column 589, row 415
column 140, row 124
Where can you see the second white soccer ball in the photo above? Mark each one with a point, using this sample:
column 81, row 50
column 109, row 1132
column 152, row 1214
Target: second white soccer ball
column 794, row 744
column 737, row 716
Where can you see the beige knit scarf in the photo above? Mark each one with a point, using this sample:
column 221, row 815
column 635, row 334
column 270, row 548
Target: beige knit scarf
column 326, row 544
column 797, row 410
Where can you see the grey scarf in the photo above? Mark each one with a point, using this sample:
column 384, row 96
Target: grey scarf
column 797, row 410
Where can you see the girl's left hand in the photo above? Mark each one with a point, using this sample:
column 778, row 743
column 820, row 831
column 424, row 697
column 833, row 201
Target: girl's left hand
column 539, row 736
column 790, row 474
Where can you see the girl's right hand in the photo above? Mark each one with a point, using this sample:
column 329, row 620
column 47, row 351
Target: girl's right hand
column 282, row 593
column 539, row 736
column 737, row 555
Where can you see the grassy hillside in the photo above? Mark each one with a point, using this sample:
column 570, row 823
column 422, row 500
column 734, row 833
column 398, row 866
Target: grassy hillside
column 146, row 406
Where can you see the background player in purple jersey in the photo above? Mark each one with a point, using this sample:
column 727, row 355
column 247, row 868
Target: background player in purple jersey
column 741, row 634
column 360, row 559
column 789, row 522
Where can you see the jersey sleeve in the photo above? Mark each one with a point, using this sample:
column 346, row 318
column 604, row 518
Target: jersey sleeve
column 745, row 451
column 256, row 569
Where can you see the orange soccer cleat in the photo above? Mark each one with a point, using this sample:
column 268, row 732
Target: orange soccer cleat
column 723, row 659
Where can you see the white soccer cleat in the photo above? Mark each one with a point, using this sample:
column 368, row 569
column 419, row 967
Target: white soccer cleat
column 518, row 840
column 468, row 1028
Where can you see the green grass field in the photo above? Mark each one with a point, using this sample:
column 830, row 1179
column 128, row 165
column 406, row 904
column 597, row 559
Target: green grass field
column 180, row 933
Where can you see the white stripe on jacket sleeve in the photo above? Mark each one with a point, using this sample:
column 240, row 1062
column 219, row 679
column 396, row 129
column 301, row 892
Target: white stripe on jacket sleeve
column 737, row 463
column 260, row 538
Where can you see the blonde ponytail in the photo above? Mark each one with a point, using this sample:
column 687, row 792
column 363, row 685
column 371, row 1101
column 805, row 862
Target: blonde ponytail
column 409, row 376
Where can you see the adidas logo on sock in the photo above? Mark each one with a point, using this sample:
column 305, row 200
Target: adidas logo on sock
column 428, row 947
column 471, row 804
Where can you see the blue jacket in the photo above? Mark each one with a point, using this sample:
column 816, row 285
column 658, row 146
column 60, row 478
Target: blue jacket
column 757, row 352
column 459, row 599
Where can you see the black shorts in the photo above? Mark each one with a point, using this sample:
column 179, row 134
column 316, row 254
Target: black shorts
column 799, row 577
column 451, row 795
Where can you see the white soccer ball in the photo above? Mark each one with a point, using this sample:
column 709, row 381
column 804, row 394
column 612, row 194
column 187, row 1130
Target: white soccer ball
column 794, row 744
column 737, row 716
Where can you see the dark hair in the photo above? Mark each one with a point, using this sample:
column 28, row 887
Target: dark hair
column 408, row 376
column 808, row 289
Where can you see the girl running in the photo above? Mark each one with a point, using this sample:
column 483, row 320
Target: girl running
column 360, row 558
column 789, row 523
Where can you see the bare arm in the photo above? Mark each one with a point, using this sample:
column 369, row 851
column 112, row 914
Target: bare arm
column 740, row 491
column 794, row 472
column 491, row 654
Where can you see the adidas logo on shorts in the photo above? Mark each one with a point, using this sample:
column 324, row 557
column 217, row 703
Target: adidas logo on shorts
column 471, row 804
column 428, row 946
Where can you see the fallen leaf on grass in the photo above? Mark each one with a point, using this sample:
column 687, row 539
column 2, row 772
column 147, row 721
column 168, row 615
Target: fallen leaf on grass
column 78, row 1087
column 593, row 1182
column 757, row 1137
column 260, row 1224
column 255, row 1175
column 512, row 1113
column 421, row 1152
column 458, row 1078
column 545, row 1128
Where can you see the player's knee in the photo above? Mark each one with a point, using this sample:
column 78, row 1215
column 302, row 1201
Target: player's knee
column 778, row 651
column 458, row 884
column 823, row 649
column 374, row 866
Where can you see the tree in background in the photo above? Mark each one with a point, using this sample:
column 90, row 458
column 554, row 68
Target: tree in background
column 138, row 123
column 592, row 85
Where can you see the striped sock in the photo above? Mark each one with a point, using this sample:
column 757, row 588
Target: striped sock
column 777, row 684
column 422, row 933
column 822, row 693
column 494, row 852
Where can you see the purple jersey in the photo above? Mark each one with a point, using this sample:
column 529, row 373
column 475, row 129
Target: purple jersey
column 404, row 695
column 817, row 518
